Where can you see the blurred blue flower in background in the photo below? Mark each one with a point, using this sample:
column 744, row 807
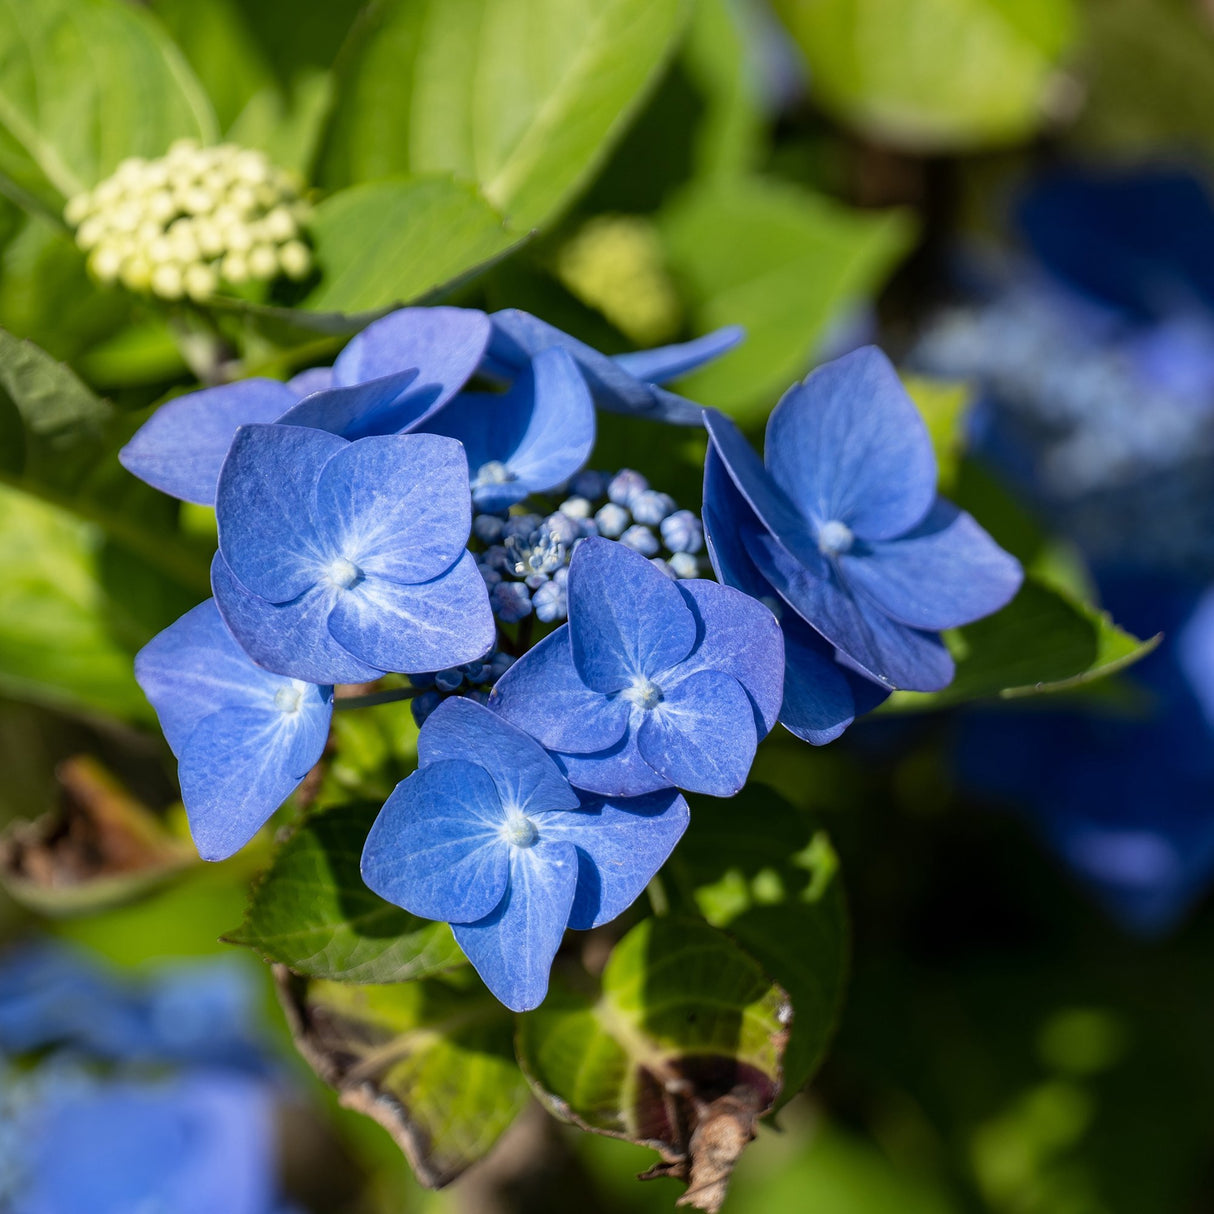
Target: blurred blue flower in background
column 155, row 1095
column 1094, row 360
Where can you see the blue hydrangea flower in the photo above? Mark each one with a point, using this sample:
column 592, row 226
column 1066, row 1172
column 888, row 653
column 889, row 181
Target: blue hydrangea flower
column 527, row 440
column 626, row 383
column 200, row 1013
column 193, row 1144
column 652, row 682
column 843, row 528
column 489, row 836
column 244, row 737
column 390, row 378
column 341, row 560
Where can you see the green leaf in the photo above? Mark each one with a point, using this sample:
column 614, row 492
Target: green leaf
column 523, row 97
column 394, row 242
column 944, row 407
column 777, row 891
column 782, row 262
column 935, row 75
column 56, row 643
column 1045, row 640
column 84, row 84
column 313, row 913
column 431, row 1061
column 681, row 1049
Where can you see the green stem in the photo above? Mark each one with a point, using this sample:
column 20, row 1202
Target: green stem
column 371, row 699
column 657, row 896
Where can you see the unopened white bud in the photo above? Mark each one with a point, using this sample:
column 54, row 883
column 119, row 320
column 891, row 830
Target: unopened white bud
column 167, row 281
column 295, row 258
column 78, row 209
column 235, row 269
column 136, row 273
column 279, row 225
column 263, row 261
column 105, row 262
column 201, row 281
column 91, row 231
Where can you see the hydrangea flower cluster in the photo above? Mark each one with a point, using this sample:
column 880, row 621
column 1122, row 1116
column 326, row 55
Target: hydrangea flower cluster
column 423, row 508
column 194, row 218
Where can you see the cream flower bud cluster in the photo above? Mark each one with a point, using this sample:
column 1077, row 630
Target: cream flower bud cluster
column 194, row 218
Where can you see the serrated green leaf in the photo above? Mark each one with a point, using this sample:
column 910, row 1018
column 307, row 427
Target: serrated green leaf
column 84, row 84
column 431, row 1061
column 782, row 262
column 312, row 912
column 767, row 874
column 523, row 97
column 1044, row 641
column 393, row 242
column 935, row 75
column 682, row 1046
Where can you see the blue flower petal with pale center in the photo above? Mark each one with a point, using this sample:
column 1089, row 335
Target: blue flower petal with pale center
column 849, row 445
column 437, row 848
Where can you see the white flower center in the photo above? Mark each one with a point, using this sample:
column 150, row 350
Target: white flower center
column 288, row 699
column 343, row 573
column 520, row 830
column 643, row 693
column 835, row 538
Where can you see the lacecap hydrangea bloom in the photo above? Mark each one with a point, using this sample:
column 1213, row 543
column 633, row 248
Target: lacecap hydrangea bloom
column 339, row 561
column 243, row 737
column 842, row 529
column 653, row 682
column 488, row 836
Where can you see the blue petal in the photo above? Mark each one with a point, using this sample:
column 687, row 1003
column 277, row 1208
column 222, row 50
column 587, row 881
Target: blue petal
column 621, row 843
column 292, row 638
column 887, row 651
column 314, row 379
column 512, row 949
column 945, row 573
column 194, row 668
column 627, row 620
column 618, row 771
column 396, row 505
column 377, row 406
column 181, row 447
column 749, row 485
column 821, row 697
column 819, row 694
column 436, row 848
column 701, row 737
column 266, row 509
column 518, row 337
column 560, row 430
column 660, row 365
column 446, row 346
column 542, row 430
column 239, row 765
column 739, row 636
column 526, row 777
column 544, row 694
column 849, row 444
column 428, row 626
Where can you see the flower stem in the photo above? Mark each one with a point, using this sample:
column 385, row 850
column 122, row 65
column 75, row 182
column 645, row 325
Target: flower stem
column 657, row 896
column 375, row 697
